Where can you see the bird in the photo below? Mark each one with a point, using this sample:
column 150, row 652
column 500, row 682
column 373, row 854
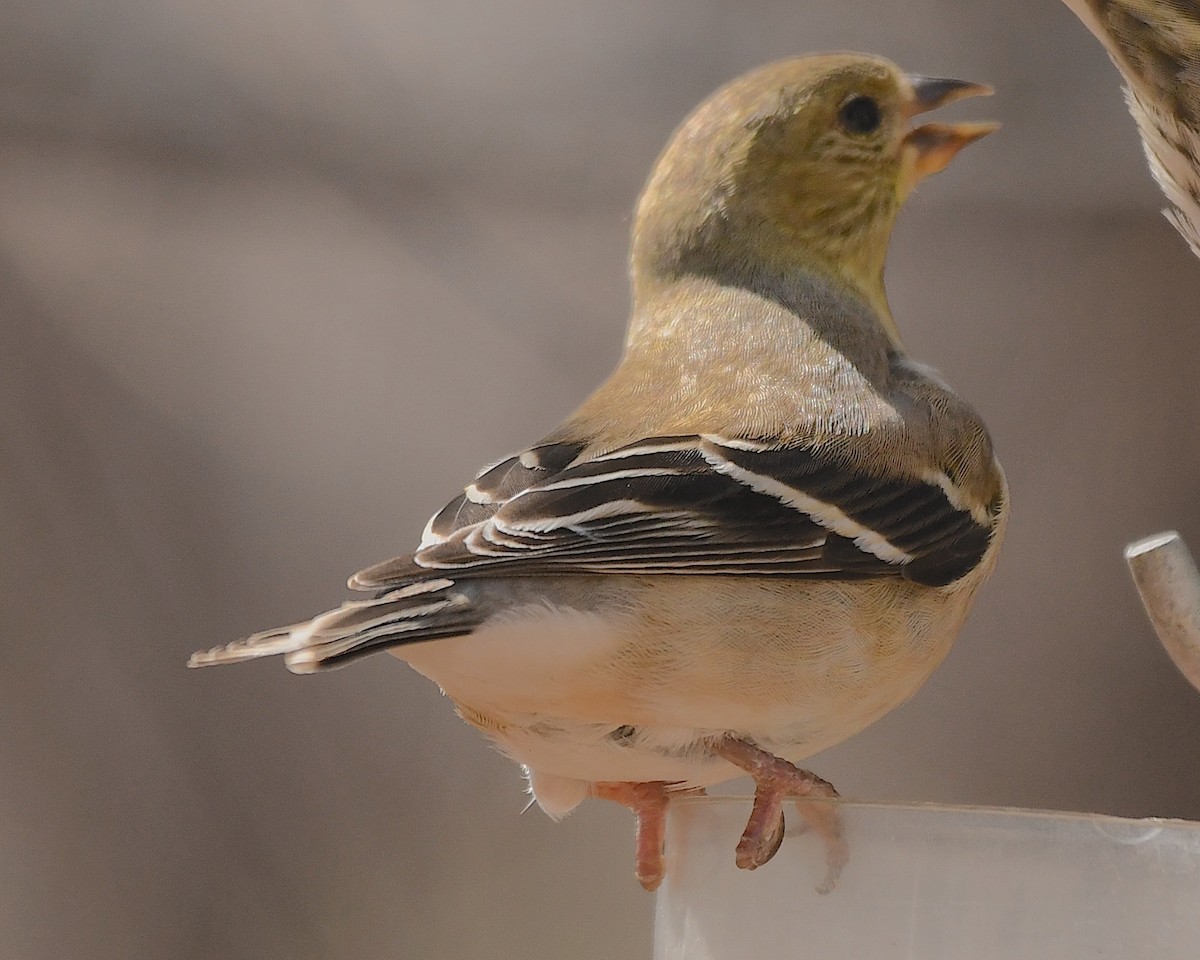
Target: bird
column 1156, row 46
column 761, row 533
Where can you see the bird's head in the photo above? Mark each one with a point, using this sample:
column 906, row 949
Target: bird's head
column 799, row 164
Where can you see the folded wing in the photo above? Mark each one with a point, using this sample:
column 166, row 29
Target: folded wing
column 695, row 505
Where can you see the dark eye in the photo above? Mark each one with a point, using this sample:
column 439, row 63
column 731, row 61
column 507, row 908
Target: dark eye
column 860, row 115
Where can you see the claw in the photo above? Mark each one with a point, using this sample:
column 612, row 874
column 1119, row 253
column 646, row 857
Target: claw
column 774, row 781
column 823, row 819
column 648, row 801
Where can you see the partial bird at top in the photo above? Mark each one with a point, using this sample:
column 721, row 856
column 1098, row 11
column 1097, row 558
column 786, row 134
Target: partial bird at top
column 762, row 532
column 1156, row 46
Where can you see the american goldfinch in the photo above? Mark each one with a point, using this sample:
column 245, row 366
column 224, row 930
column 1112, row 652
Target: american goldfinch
column 762, row 532
column 1156, row 46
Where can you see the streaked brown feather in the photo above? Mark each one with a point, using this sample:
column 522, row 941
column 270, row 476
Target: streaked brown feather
column 1156, row 46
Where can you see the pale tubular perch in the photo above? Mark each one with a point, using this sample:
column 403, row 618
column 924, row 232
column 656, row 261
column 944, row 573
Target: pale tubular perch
column 1169, row 584
column 933, row 883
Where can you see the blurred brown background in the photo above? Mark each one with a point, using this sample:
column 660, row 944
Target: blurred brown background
column 277, row 277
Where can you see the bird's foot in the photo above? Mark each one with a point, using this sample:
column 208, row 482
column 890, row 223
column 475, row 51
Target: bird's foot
column 776, row 780
column 648, row 801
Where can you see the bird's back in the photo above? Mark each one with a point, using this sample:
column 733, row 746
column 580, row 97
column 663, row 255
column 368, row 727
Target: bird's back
column 808, row 364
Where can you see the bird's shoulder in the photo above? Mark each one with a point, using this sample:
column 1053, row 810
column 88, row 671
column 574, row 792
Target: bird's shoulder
column 791, row 448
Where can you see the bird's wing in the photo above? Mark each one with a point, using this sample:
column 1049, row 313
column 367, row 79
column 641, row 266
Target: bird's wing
column 695, row 505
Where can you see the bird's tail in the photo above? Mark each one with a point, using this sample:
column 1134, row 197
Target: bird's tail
column 425, row 610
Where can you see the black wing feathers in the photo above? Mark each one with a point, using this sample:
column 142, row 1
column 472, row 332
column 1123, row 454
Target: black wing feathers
column 689, row 505
column 499, row 483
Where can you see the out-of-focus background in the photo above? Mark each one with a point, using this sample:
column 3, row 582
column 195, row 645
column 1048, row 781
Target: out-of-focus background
column 276, row 277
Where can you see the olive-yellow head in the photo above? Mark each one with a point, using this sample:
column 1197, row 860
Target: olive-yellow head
column 801, row 163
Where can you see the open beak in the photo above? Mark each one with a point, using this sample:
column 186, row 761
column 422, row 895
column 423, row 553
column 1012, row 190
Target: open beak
column 931, row 146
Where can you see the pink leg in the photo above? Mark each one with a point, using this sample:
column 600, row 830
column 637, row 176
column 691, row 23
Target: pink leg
column 774, row 781
column 648, row 801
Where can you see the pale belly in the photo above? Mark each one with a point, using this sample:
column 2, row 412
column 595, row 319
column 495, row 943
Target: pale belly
column 632, row 684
